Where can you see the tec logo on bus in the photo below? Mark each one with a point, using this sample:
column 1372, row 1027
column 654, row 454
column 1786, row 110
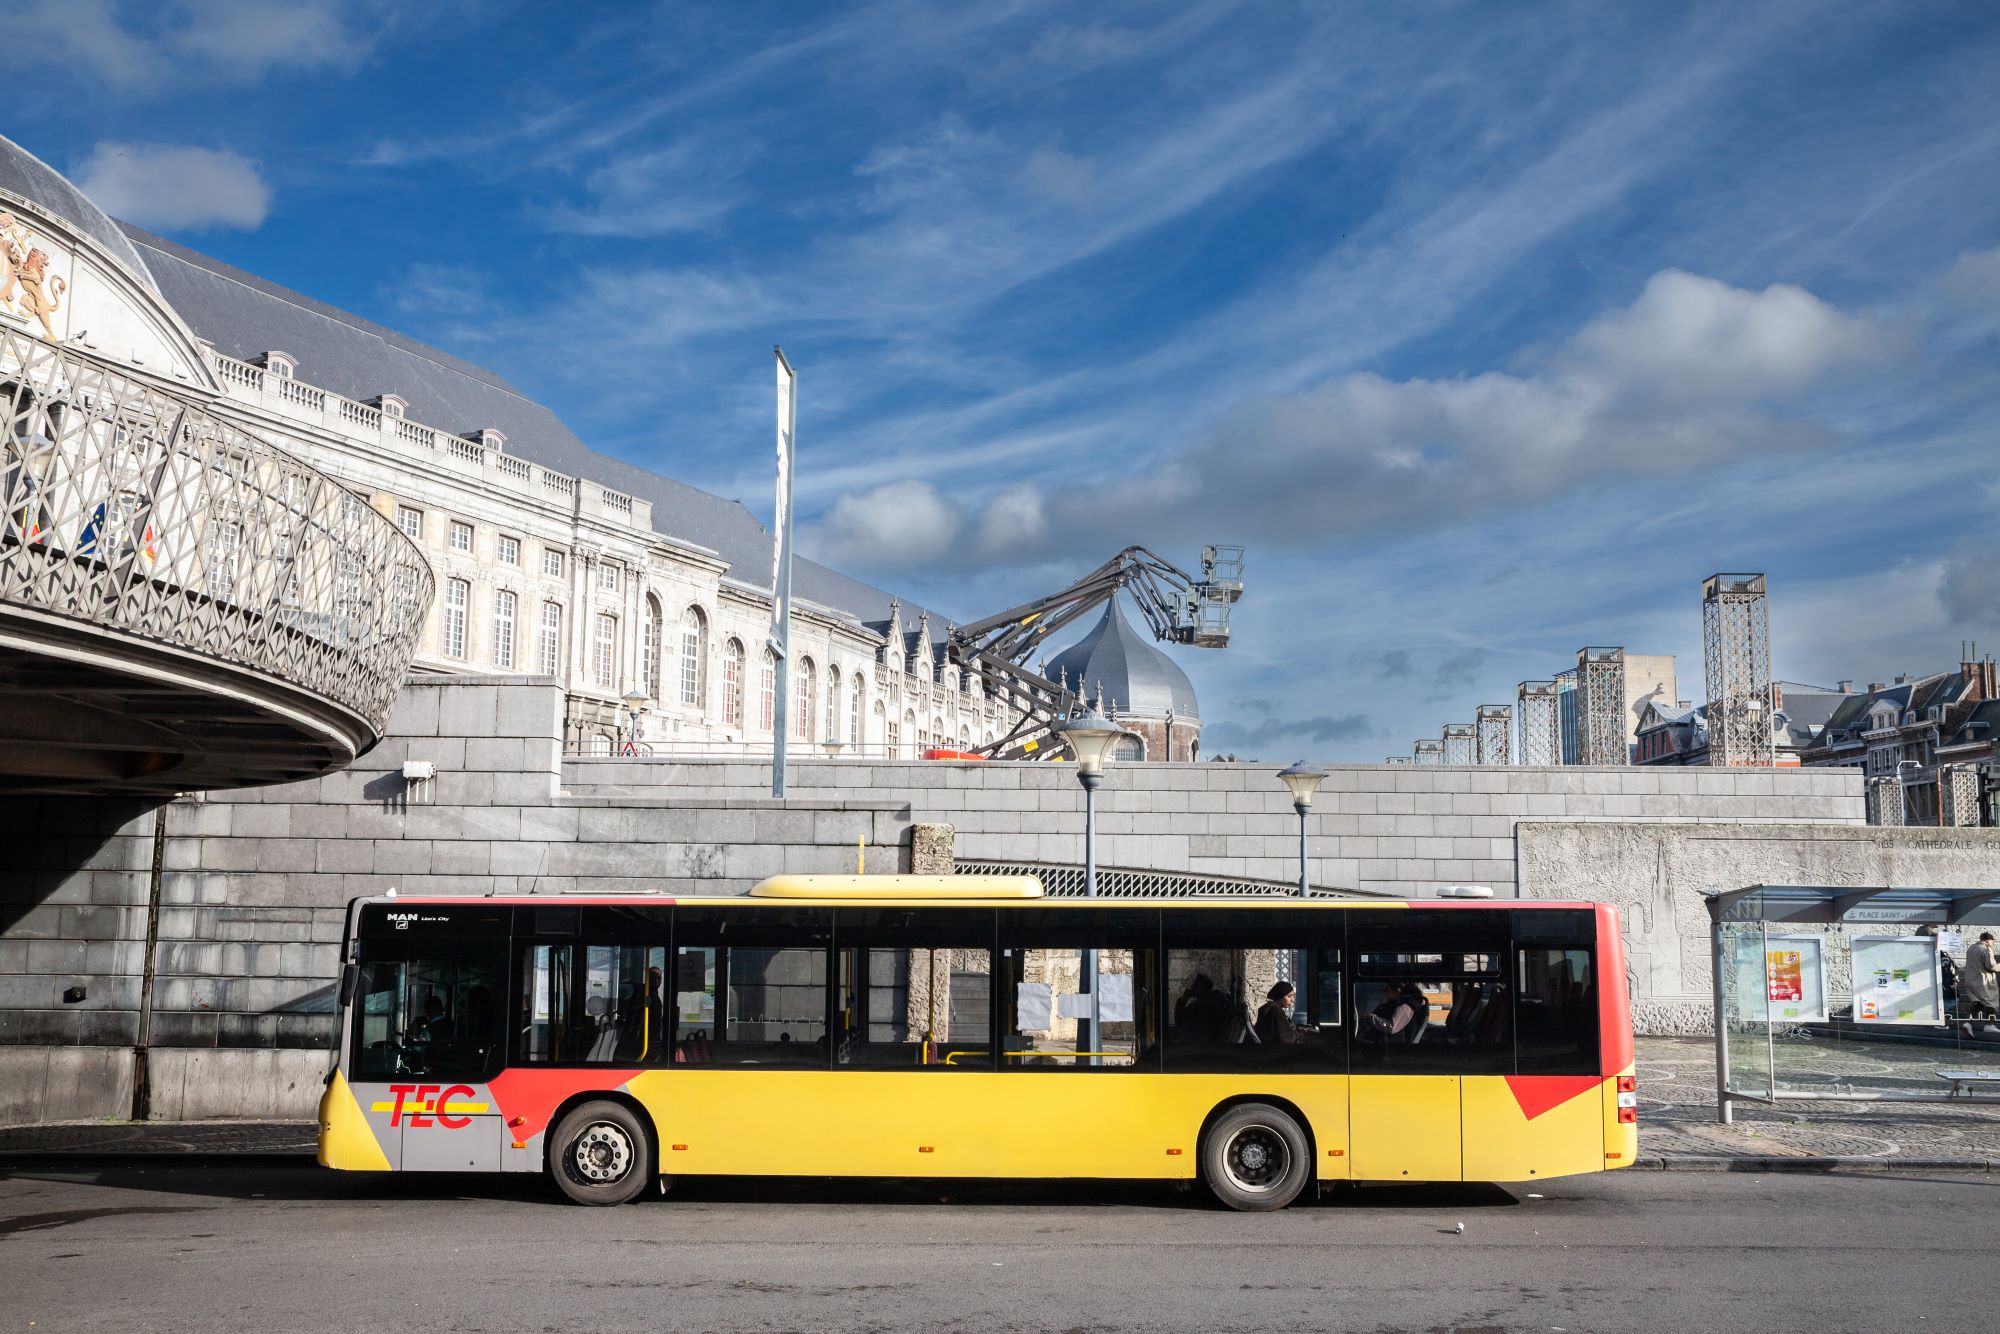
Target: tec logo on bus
column 424, row 1105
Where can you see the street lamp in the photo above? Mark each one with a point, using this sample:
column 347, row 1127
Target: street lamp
column 834, row 745
column 1090, row 738
column 1304, row 780
column 635, row 704
column 1903, row 789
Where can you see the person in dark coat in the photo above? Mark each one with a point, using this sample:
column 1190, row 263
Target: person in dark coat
column 1274, row 1018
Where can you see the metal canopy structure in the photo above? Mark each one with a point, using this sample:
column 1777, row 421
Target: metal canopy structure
column 1831, row 904
column 1750, row 911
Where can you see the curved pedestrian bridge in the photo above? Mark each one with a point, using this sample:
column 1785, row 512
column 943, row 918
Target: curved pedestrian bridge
column 182, row 606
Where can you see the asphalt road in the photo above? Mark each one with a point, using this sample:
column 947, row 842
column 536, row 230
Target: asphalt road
column 164, row 1246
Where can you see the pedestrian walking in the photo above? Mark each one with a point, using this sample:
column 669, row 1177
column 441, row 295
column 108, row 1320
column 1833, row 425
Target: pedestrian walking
column 1979, row 985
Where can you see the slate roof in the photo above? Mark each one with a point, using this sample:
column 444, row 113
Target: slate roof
column 24, row 174
column 1136, row 677
column 245, row 316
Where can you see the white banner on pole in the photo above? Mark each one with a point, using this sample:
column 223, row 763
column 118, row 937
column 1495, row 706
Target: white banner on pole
column 788, row 421
column 781, row 569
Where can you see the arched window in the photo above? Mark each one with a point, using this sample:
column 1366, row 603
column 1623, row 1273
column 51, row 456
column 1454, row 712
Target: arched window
column 504, row 603
column 694, row 658
column 732, row 684
column 885, row 728
column 910, row 730
column 1130, row 749
column 655, row 634
column 805, row 697
column 551, row 645
column 965, row 738
column 457, row 593
column 604, row 652
column 854, row 712
column 1194, row 751
column 833, row 703
column 767, row 691
column 938, row 735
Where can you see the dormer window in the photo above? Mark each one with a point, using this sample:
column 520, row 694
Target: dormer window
column 490, row 438
column 281, row 364
column 390, row 405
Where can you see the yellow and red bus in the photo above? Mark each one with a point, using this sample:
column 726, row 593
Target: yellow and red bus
column 899, row 1026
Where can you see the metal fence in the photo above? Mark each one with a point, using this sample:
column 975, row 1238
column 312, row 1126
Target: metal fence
column 1064, row 882
column 131, row 508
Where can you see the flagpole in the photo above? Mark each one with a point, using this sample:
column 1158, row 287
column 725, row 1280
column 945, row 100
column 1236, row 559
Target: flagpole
column 781, row 569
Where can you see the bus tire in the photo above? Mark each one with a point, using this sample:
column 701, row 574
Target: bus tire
column 1256, row 1158
column 600, row 1154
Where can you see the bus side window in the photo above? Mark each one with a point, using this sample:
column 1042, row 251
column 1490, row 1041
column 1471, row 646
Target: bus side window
column 1222, row 1015
column 1433, row 992
column 1557, row 1027
column 1044, row 1006
column 914, row 988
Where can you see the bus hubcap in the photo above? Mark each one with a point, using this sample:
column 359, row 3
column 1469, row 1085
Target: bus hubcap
column 602, row 1154
column 1257, row 1158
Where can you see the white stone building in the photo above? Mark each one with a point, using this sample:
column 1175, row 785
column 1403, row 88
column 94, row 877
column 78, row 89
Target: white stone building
column 551, row 559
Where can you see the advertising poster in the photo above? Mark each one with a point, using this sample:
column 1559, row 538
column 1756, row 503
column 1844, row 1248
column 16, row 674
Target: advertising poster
column 1782, row 978
column 1897, row 981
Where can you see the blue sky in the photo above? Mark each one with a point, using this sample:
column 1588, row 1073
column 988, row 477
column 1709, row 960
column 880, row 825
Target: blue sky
column 1489, row 330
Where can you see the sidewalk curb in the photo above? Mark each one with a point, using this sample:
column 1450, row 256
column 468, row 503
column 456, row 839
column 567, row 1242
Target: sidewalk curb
column 45, row 1159
column 1764, row 1164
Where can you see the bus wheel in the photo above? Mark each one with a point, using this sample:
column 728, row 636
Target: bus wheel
column 1255, row 1158
column 600, row 1154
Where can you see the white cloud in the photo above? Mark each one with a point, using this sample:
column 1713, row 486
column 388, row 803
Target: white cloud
column 155, row 48
column 174, row 186
column 246, row 39
column 1969, row 586
column 1682, row 377
column 1974, row 282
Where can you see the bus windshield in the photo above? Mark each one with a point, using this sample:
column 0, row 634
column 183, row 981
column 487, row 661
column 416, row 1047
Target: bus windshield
column 427, row 1008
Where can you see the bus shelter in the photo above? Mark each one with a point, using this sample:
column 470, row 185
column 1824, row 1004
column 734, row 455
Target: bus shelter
column 1844, row 993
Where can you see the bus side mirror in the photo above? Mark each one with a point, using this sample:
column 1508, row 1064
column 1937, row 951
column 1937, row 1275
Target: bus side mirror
column 350, row 979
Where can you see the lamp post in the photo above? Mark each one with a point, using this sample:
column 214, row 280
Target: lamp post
column 635, row 704
column 1304, row 780
column 1903, row 789
column 1090, row 738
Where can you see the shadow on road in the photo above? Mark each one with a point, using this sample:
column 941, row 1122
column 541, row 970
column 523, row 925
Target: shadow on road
column 309, row 1184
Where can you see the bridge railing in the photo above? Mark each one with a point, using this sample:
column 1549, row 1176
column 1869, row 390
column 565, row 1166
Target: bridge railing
column 130, row 508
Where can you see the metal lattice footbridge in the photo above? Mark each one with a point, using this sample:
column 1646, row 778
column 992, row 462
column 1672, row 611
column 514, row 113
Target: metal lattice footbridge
column 182, row 606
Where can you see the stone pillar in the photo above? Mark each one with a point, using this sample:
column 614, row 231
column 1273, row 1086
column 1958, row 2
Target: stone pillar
column 931, row 853
column 1885, row 801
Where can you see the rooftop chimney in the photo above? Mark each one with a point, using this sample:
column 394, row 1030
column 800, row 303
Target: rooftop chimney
column 1847, row 686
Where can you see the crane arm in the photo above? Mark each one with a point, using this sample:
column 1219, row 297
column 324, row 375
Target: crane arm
column 1175, row 605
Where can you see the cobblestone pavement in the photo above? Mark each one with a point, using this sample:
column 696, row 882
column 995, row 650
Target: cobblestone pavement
column 1676, row 1113
column 1677, row 1104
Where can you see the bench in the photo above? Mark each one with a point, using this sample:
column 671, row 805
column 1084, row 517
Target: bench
column 1965, row 1081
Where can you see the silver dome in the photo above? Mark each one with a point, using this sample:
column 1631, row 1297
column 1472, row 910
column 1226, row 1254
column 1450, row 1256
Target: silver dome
column 1136, row 677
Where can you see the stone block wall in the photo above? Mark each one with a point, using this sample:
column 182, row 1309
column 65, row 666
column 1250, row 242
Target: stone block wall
column 1399, row 831
column 247, row 892
column 1656, row 876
